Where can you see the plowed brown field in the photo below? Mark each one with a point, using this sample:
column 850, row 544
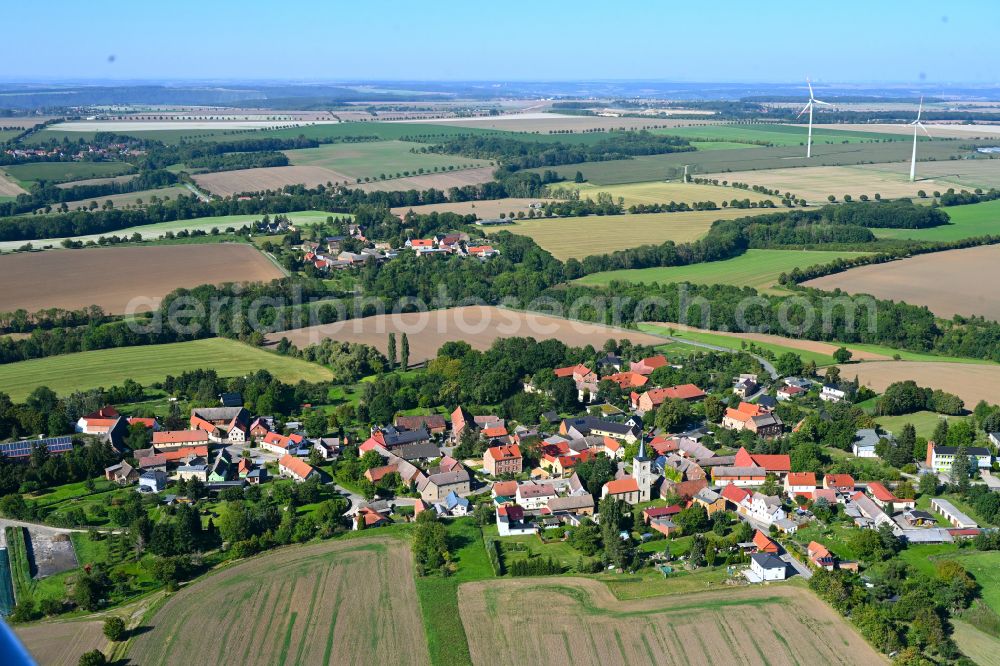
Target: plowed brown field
column 971, row 382
column 579, row 622
column 111, row 277
column 61, row 643
column 228, row 183
column 335, row 602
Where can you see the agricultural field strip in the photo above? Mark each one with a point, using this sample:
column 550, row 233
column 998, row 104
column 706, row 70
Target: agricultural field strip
column 971, row 382
column 578, row 621
column 150, row 363
column 376, row 158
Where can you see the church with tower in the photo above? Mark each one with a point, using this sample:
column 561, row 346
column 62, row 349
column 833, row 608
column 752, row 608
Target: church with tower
column 637, row 487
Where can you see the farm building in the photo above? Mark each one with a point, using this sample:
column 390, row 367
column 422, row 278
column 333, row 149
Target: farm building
column 296, row 468
column 952, row 514
column 24, row 447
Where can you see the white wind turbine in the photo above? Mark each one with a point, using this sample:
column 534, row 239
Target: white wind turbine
column 916, row 123
column 809, row 107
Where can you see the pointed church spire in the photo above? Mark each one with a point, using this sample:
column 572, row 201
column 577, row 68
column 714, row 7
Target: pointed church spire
column 642, row 450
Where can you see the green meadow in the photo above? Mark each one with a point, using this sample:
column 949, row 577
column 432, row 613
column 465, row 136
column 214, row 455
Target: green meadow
column 980, row 219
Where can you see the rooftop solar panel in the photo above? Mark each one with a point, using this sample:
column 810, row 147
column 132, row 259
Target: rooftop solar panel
column 23, row 448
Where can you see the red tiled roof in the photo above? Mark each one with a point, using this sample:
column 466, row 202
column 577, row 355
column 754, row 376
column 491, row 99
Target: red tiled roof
column 839, row 480
column 148, row 422
column 511, row 511
column 495, row 431
column 505, row 488
column 735, row 494
column 771, row 463
column 622, row 486
column 802, row 479
column 296, row 466
column 183, row 452
column 511, row 452
column 628, row 380
column 661, row 511
column 764, row 543
column 881, row 493
column 179, row 436
column 571, row 370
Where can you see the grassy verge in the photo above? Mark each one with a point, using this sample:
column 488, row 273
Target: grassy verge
column 20, row 568
column 730, row 342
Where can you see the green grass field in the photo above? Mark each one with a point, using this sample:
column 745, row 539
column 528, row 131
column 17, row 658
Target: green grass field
column 7, row 135
column 147, row 364
column 979, row 219
column 376, row 158
column 61, row 172
column 734, row 343
column 662, row 192
column 755, row 268
column 720, row 145
column 580, row 237
column 924, row 422
column 778, row 135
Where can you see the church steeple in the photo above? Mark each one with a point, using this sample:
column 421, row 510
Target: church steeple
column 642, row 451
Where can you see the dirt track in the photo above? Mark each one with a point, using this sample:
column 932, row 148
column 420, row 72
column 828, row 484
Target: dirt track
column 971, row 382
column 578, row 621
column 479, row 326
column 948, row 283
column 111, row 277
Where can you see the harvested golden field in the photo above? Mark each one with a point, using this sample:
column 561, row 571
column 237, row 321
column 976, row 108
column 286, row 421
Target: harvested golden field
column 228, row 183
column 336, row 602
column 439, row 181
column 971, row 382
column 948, row 283
column 815, row 184
column 579, row 237
column 578, row 621
column 488, row 209
column 111, row 277
column 665, row 192
column 477, row 325
column 942, row 174
column 61, row 642
column 8, row 188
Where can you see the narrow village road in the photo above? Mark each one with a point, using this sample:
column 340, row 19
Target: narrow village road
column 768, row 367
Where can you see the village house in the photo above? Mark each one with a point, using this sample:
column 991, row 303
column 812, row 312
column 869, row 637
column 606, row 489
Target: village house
column 98, row 422
column 651, row 400
column 533, row 496
column 789, row 393
column 193, row 468
column 328, row 448
column 940, row 458
column 627, row 381
column 432, row 423
column 121, row 473
column 647, row 365
column 505, row 459
column 295, row 468
column 865, row 441
column 367, row 517
column 887, row 499
column 764, row 544
column 767, row 567
column 820, row 556
column 391, row 437
column 832, row 394
column 437, row 486
column 223, row 424
column 738, row 476
column 153, row 481
column 511, row 521
column 577, row 505
column 712, row 501
column 800, row 483
column 167, row 439
column 758, row 420
column 871, row 514
column 777, row 464
column 841, row 483
column 684, row 490
column 745, row 386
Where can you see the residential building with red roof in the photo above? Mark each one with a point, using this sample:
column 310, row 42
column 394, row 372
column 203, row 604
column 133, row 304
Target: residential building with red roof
column 98, row 422
column 628, row 380
column 780, row 464
column 886, row 499
column 647, row 365
column 765, row 544
column 296, row 468
column 842, row 483
column 735, row 495
column 758, row 420
column 652, row 399
column 800, row 483
column 174, row 438
column 820, row 556
column 684, row 490
column 505, row 459
column 367, row 517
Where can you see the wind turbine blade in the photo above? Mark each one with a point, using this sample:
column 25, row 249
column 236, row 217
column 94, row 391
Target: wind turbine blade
column 920, row 109
column 921, row 126
column 804, row 109
column 809, row 83
column 823, row 103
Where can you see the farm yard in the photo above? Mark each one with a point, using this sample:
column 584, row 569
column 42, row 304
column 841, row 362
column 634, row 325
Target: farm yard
column 229, row 183
column 150, row 363
column 479, row 326
column 65, row 171
column 113, row 277
column 579, row 237
column 60, row 643
column 437, row 181
column 662, row 192
column 759, row 269
column 375, row 159
column 578, row 621
column 948, row 283
column 980, row 219
column 971, row 382
column 325, row 603
column 815, row 184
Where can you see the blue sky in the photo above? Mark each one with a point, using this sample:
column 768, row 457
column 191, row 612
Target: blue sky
column 843, row 41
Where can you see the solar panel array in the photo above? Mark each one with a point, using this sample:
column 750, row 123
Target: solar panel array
column 23, row 448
